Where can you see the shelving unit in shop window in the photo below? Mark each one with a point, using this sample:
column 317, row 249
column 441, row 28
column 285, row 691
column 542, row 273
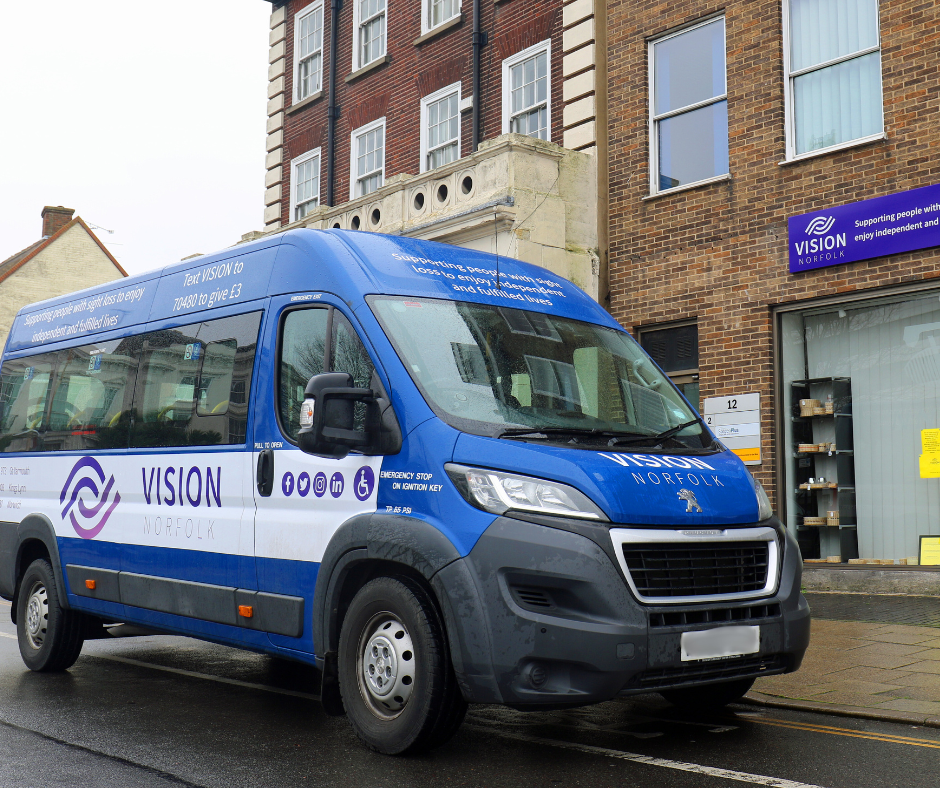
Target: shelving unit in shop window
column 823, row 455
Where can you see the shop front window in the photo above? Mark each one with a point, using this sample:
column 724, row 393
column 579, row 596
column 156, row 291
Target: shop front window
column 860, row 382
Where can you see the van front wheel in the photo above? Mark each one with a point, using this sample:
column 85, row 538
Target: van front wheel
column 50, row 637
column 395, row 676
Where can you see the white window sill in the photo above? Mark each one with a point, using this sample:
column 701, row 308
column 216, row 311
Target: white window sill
column 834, row 149
column 686, row 187
column 443, row 27
column 304, row 103
column 379, row 61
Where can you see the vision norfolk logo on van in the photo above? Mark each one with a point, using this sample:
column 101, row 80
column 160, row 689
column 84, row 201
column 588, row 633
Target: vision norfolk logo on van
column 88, row 476
column 822, row 245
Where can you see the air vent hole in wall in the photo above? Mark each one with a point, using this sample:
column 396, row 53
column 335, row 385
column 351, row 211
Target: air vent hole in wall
column 466, row 185
column 375, row 217
column 442, row 192
column 354, row 223
column 419, row 201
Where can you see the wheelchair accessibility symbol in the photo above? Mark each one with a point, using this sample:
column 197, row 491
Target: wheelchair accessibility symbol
column 364, row 482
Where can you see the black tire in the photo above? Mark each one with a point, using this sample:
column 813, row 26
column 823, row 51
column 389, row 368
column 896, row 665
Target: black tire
column 50, row 636
column 395, row 675
column 711, row 696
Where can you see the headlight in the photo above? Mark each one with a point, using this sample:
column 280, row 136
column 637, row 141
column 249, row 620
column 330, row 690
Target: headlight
column 498, row 492
column 764, row 509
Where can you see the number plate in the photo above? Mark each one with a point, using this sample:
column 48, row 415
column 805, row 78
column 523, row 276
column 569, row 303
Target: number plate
column 720, row 642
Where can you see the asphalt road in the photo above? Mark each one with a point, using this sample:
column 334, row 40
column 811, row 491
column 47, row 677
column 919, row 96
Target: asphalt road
column 165, row 711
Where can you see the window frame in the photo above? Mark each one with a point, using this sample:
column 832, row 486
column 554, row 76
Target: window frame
column 358, row 24
column 514, row 60
column 652, row 128
column 426, row 102
column 789, row 103
column 353, row 139
column 426, row 7
column 298, row 18
column 679, row 377
column 295, row 164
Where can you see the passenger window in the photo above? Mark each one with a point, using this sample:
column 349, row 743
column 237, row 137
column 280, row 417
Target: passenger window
column 193, row 384
column 349, row 354
column 215, row 384
column 88, row 396
column 303, row 354
column 24, row 394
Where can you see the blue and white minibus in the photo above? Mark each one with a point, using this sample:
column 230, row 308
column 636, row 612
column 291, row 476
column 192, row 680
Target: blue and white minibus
column 439, row 476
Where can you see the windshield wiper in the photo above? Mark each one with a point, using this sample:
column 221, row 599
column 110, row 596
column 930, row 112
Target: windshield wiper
column 552, row 431
column 658, row 438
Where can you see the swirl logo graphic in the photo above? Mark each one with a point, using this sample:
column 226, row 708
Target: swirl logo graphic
column 820, row 225
column 86, row 492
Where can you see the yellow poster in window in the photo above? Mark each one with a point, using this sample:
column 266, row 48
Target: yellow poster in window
column 930, row 551
column 930, row 465
column 930, row 441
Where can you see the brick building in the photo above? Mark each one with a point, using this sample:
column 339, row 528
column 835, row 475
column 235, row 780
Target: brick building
column 68, row 257
column 391, row 136
column 767, row 236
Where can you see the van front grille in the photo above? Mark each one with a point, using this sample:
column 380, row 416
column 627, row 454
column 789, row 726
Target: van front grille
column 703, row 569
column 682, row 618
column 725, row 669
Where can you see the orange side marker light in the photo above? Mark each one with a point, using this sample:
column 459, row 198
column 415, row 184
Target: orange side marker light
column 246, row 611
column 90, row 584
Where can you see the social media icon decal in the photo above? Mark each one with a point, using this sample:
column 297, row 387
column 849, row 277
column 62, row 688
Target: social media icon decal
column 287, row 483
column 364, row 482
column 303, row 484
column 319, row 484
column 336, row 484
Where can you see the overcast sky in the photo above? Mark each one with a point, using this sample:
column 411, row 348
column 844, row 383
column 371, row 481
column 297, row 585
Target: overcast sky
column 147, row 118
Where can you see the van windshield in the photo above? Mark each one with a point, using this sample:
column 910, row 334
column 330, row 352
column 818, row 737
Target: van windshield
column 512, row 373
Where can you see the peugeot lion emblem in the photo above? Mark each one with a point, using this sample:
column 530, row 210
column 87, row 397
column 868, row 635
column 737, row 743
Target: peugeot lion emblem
column 689, row 497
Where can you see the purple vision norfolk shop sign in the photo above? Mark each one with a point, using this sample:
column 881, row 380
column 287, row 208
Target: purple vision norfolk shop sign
column 862, row 230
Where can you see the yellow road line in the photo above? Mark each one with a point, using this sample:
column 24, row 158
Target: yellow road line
column 885, row 737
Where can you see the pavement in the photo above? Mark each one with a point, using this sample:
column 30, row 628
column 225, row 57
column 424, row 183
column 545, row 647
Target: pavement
column 875, row 656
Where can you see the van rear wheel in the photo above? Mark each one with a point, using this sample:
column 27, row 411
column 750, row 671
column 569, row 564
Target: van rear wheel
column 398, row 686
column 50, row 637
column 711, row 696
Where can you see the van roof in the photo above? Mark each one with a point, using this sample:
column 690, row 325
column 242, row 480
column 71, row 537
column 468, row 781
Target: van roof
column 348, row 264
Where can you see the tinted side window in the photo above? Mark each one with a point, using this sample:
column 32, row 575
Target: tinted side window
column 89, row 393
column 193, row 385
column 25, row 386
column 303, row 354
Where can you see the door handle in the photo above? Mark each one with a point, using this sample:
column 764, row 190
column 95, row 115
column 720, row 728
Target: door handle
column 266, row 472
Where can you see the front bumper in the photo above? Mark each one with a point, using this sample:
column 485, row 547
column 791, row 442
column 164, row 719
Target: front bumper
column 540, row 615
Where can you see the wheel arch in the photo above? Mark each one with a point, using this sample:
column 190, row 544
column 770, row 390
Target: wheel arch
column 365, row 547
column 36, row 539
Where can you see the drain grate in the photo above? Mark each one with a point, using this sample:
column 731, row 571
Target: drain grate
column 918, row 611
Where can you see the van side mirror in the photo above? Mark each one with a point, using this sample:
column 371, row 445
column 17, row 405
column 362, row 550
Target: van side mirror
column 328, row 415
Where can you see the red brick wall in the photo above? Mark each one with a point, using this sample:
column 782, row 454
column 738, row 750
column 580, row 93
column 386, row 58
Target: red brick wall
column 396, row 88
column 718, row 253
